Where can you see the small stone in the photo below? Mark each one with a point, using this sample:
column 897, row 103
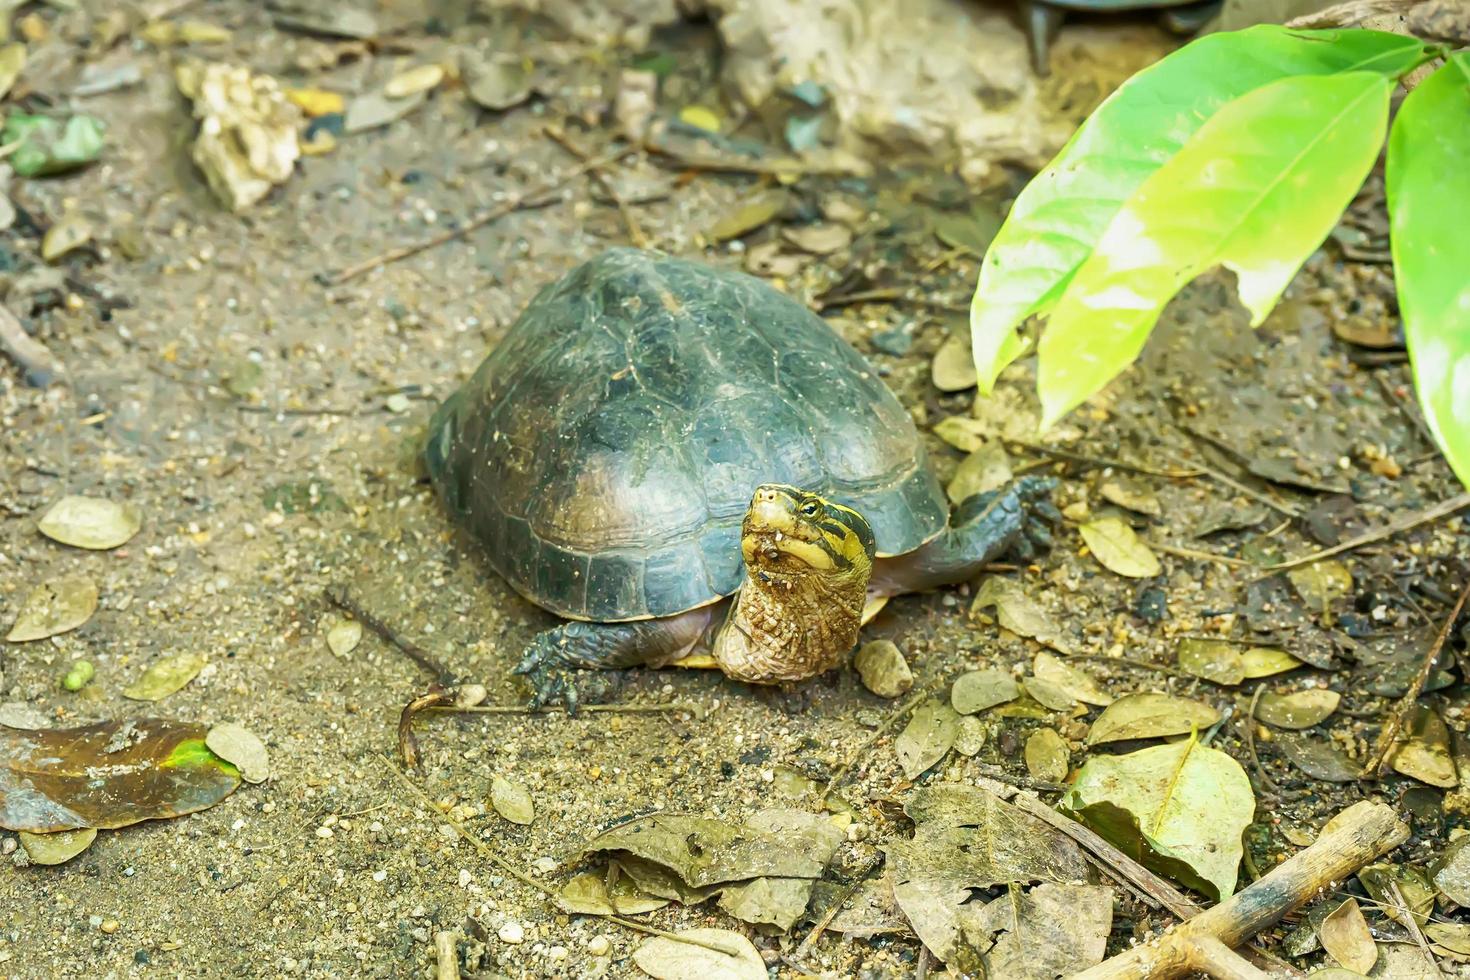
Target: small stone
column 599, row 946
column 883, row 669
column 8, row 846
column 380, row 875
column 324, row 832
column 109, row 926
column 545, row 865
column 512, row 932
column 557, row 953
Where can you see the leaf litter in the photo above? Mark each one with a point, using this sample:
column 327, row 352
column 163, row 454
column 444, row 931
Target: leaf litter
column 927, row 738
column 1150, row 715
column 1119, row 549
column 1018, row 612
column 56, row 606
column 108, row 775
column 967, row 840
column 165, row 677
column 1181, row 809
column 91, row 523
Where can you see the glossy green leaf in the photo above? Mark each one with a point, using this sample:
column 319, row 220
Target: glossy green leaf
column 1257, row 189
column 1053, row 225
column 1429, row 202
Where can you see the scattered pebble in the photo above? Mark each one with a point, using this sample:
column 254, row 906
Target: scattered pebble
column 883, row 669
column 599, row 946
column 512, row 932
column 109, row 926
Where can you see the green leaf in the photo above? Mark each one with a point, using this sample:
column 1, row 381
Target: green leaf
column 1053, row 225
column 47, row 146
column 1257, row 189
column 1179, row 809
column 1429, row 205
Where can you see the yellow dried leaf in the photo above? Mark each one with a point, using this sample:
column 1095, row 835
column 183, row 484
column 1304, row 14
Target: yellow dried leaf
column 1118, row 549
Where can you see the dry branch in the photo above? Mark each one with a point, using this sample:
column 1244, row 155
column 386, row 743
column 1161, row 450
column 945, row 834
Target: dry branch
column 1362, row 833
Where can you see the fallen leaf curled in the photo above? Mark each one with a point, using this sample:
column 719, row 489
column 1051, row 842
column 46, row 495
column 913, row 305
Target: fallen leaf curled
column 1118, row 549
column 1061, row 676
column 344, row 636
column 1180, row 808
column 420, row 78
column 1298, row 710
column 1138, row 499
column 512, row 800
column 1047, row 757
column 961, row 432
column 927, row 738
column 1347, row 939
column 108, row 775
column 242, row 748
column 1453, row 936
column 1319, row 759
column 1150, row 715
column 1321, row 583
column 1218, row 661
column 165, row 677
column 58, row 605
column 87, row 522
column 669, row 959
column 1266, row 662
column 587, row 894
column 70, row 232
column 1425, row 754
column 987, row 468
column 1412, row 884
column 980, row 689
column 375, row 109
column 58, row 847
column 953, row 367
column 1018, row 612
column 754, row 213
column 819, row 239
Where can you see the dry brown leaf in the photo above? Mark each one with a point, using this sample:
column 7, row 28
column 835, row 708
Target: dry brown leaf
column 1347, row 939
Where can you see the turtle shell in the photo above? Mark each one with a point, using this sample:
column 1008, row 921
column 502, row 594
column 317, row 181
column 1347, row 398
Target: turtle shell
column 606, row 450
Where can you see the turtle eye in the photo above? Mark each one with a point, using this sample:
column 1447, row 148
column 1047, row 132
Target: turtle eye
column 810, row 508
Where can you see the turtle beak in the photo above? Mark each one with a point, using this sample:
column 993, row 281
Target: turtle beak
column 775, row 528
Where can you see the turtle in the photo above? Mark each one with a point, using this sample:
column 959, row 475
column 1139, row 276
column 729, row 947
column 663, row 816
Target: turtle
column 665, row 453
column 1043, row 18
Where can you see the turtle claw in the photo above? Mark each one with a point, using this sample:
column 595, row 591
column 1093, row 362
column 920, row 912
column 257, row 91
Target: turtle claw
column 550, row 677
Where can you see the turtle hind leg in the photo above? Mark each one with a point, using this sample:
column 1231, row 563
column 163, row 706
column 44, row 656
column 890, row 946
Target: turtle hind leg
column 555, row 658
column 984, row 527
column 1042, row 21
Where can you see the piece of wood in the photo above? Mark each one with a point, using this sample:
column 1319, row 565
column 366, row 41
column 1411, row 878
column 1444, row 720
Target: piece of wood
column 1362, row 833
column 30, row 355
column 446, row 956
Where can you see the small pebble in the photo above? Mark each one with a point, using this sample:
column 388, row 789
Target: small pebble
column 512, row 932
column 883, row 669
column 8, row 846
column 324, row 832
column 599, row 946
column 557, row 953
column 109, row 926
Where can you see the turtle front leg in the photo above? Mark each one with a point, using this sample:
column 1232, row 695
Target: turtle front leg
column 554, row 658
column 984, row 527
column 1042, row 21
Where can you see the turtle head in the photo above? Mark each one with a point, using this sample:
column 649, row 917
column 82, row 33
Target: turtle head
column 790, row 535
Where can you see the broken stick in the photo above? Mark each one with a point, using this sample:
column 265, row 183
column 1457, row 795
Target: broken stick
column 1358, row 835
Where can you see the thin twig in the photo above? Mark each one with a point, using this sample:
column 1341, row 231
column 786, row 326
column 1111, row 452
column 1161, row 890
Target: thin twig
column 528, row 199
column 1412, row 924
column 630, row 220
column 1429, row 515
column 1104, row 461
column 1405, row 407
column 525, row 709
column 338, row 596
column 1405, row 704
column 1128, row 872
column 891, row 295
column 842, row 899
column 1173, row 549
column 888, row 724
column 520, row 875
column 778, row 167
column 1267, row 783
